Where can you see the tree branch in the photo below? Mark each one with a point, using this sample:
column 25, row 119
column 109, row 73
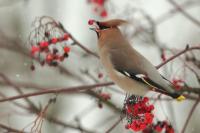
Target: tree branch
column 64, row 90
column 178, row 54
column 9, row 129
column 190, row 115
column 192, row 19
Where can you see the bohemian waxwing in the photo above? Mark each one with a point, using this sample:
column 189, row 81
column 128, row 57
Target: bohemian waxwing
column 125, row 66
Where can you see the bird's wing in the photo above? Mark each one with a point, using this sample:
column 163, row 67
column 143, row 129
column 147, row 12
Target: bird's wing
column 131, row 66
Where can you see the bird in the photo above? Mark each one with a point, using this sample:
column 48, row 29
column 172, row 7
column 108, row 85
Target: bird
column 126, row 67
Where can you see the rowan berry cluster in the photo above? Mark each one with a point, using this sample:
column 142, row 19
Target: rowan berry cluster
column 49, row 42
column 138, row 113
column 178, row 83
column 103, row 96
column 163, row 55
column 159, row 127
column 99, row 7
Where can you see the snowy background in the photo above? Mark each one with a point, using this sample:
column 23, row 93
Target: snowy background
column 81, row 109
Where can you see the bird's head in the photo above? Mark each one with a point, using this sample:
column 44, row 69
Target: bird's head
column 101, row 26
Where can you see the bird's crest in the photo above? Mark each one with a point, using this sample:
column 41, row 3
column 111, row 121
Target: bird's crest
column 113, row 23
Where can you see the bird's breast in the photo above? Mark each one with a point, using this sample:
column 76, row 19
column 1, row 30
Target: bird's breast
column 124, row 82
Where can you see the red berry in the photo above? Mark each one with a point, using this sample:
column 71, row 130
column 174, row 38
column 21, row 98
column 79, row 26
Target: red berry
column 104, row 13
column 100, row 75
column 62, row 58
column 100, row 105
column 135, row 126
column 148, row 118
column 34, row 49
column 56, row 57
column 143, row 126
column 54, row 40
column 100, row 2
column 129, row 110
column 42, row 63
column 66, row 49
column 49, row 57
column 32, row 67
column 91, row 21
column 163, row 57
column 165, row 123
column 158, row 128
column 66, row 36
column 178, row 83
column 145, row 99
column 46, row 50
column 138, row 113
column 105, row 96
column 169, row 129
column 43, row 44
column 151, row 107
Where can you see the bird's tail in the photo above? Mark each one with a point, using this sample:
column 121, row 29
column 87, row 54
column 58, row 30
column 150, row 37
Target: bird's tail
column 171, row 92
column 177, row 96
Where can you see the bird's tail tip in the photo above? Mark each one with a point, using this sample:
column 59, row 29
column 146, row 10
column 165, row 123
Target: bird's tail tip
column 180, row 98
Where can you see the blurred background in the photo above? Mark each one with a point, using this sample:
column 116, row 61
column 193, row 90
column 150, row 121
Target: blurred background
column 157, row 28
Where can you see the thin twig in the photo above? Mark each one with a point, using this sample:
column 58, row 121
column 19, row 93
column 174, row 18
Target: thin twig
column 83, row 47
column 64, row 90
column 190, row 115
column 178, row 54
column 162, row 18
column 17, row 88
column 192, row 19
column 18, row 48
column 9, row 129
column 78, row 43
column 88, row 87
column 67, row 125
column 114, row 125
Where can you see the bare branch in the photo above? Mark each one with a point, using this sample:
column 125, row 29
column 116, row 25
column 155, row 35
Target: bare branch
column 190, row 115
column 178, row 54
column 64, row 90
column 192, row 19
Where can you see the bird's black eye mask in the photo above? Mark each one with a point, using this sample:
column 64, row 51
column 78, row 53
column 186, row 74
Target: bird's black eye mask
column 97, row 26
column 102, row 27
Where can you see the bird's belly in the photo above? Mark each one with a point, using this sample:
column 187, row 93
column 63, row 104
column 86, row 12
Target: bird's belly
column 127, row 84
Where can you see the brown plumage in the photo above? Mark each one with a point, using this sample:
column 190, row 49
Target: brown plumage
column 124, row 65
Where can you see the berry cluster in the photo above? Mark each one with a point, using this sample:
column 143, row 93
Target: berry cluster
column 163, row 125
column 178, row 83
column 160, row 126
column 49, row 42
column 103, row 96
column 138, row 113
column 163, row 55
column 99, row 7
